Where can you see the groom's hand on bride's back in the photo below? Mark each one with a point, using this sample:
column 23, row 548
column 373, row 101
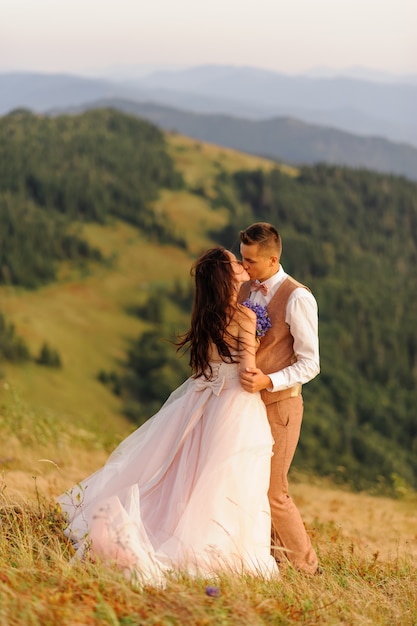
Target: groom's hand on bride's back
column 253, row 379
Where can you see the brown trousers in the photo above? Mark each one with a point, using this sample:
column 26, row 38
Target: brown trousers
column 289, row 533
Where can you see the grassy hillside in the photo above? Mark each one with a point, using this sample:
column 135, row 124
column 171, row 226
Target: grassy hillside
column 86, row 314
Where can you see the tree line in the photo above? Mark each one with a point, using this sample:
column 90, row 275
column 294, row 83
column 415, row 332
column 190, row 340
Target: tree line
column 68, row 170
column 351, row 235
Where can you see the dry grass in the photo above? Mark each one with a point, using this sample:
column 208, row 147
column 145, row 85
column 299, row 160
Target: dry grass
column 39, row 585
column 369, row 524
column 367, row 546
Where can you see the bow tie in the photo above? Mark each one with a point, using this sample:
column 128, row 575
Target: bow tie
column 257, row 286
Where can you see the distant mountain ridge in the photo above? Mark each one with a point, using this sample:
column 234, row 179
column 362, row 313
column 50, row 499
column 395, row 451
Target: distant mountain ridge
column 363, row 107
column 384, row 109
column 134, row 71
column 361, row 73
column 284, row 139
column 39, row 92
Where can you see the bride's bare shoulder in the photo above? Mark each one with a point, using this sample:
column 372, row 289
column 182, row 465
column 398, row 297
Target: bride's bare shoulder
column 244, row 309
column 244, row 313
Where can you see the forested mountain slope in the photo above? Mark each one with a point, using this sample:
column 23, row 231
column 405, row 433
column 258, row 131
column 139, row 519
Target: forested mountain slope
column 88, row 168
column 352, row 237
column 142, row 205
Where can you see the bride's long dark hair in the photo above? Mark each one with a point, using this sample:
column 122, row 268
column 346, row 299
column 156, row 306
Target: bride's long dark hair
column 212, row 311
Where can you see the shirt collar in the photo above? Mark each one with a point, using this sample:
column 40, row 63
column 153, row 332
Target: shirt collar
column 276, row 280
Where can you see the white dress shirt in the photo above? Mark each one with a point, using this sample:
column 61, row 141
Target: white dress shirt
column 302, row 318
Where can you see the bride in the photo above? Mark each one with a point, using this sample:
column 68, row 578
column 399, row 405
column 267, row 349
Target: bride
column 187, row 491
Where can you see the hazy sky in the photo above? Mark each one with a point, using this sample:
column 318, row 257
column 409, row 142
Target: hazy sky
column 289, row 36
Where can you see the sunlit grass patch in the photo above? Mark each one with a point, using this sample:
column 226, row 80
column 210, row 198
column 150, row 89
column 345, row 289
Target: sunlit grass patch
column 194, row 217
column 200, row 161
column 40, row 583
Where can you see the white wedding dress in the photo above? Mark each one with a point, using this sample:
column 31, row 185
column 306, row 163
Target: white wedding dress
column 187, row 491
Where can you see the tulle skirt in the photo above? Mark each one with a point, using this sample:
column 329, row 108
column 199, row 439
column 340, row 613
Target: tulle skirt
column 187, row 491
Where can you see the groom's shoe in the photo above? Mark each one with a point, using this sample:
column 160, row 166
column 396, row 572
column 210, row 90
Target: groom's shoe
column 319, row 571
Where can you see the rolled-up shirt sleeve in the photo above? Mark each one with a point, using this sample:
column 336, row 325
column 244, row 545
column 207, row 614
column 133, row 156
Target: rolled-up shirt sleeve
column 302, row 319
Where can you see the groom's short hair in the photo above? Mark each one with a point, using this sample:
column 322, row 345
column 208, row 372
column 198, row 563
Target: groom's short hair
column 265, row 235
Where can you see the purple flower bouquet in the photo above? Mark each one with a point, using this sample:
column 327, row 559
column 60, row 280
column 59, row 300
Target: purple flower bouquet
column 263, row 323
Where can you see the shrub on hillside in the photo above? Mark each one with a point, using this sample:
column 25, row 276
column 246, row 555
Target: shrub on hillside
column 12, row 347
column 49, row 356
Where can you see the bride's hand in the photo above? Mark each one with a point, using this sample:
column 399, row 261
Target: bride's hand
column 253, row 379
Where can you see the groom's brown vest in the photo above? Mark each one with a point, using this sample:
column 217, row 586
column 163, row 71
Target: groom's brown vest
column 276, row 349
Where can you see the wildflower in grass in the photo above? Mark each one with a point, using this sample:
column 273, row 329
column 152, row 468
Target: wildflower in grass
column 214, row 592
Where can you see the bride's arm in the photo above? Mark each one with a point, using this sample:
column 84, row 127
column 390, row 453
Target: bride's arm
column 247, row 338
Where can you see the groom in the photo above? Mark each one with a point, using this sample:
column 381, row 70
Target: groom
column 288, row 357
